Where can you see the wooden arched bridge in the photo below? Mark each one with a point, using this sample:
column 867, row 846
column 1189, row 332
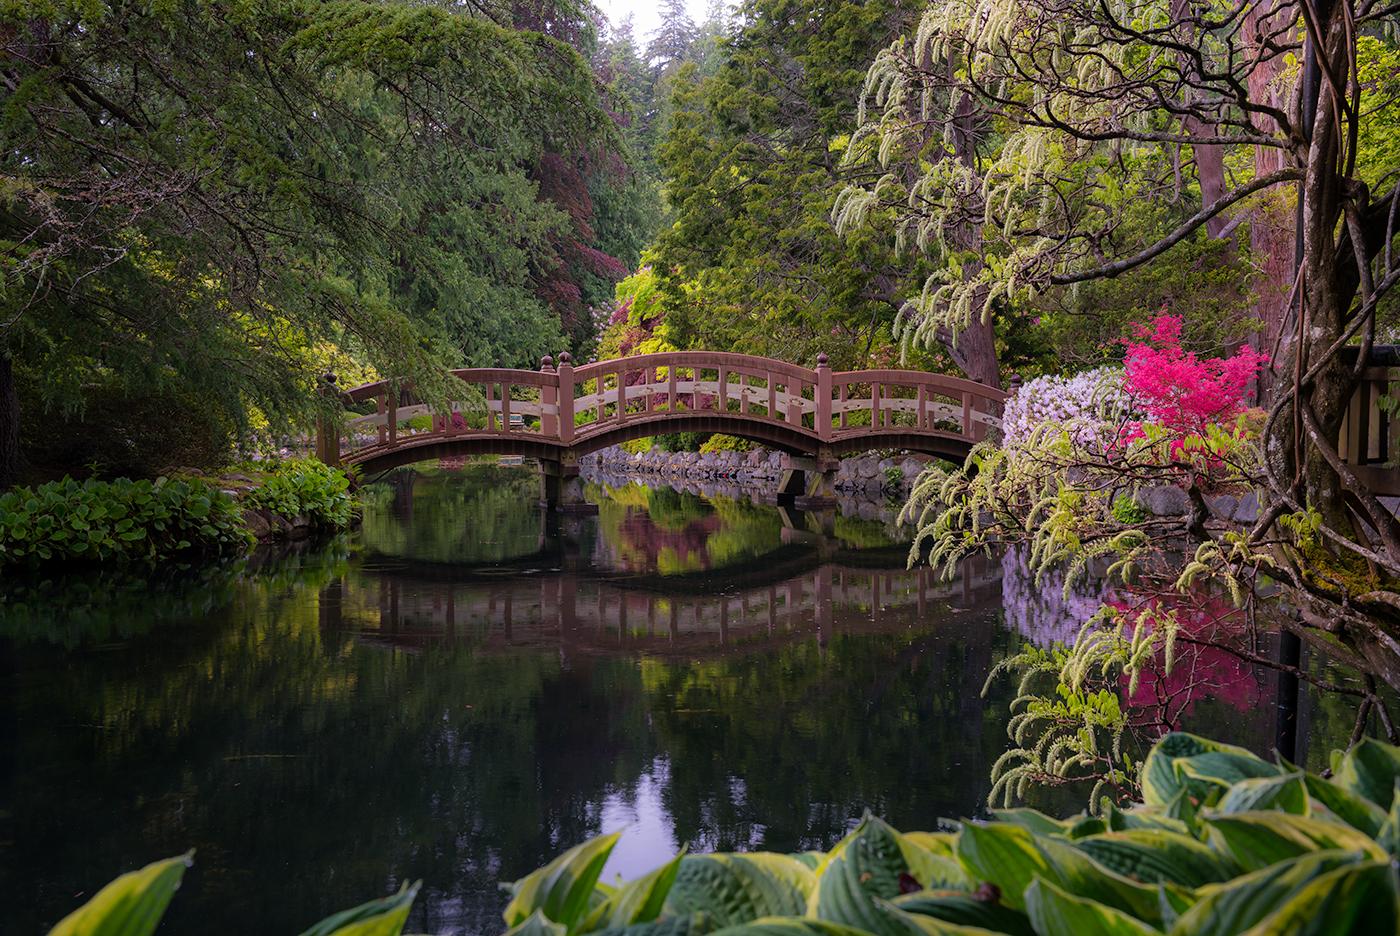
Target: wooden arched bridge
column 559, row 414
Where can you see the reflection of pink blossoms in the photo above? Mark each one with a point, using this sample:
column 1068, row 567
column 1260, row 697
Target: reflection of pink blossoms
column 1198, row 671
column 1179, row 391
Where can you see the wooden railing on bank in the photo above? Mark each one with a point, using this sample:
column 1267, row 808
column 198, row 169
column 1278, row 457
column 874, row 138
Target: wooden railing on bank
column 1369, row 426
column 583, row 407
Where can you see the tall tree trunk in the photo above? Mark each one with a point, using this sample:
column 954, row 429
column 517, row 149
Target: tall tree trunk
column 9, row 424
column 1272, row 221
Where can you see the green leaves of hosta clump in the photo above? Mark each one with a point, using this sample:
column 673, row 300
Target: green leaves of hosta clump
column 133, row 904
column 1226, row 843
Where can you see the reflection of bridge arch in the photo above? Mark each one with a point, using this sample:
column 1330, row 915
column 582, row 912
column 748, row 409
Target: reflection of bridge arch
column 554, row 610
column 559, row 415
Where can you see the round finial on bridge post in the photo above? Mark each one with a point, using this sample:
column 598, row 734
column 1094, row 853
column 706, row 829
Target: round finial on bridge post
column 546, row 363
column 821, row 359
column 329, row 378
column 1014, row 383
column 565, row 357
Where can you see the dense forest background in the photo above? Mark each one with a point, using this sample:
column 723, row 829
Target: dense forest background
column 207, row 206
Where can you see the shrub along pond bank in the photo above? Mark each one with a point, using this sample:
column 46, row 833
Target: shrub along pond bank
column 1223, row 843
column 176, row 518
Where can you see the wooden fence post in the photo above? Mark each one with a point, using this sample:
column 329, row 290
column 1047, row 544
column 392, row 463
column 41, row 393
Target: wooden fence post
column 328, row 425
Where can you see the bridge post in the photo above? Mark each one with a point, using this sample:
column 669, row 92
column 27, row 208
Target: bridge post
column 823, row 398
column 549, row 397
column 566, row 397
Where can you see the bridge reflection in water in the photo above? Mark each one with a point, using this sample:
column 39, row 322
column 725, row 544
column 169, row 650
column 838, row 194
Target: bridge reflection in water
column 586, row 613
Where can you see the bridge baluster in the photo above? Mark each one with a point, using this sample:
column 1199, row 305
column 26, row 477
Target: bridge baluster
column 921, row 413
column 391, row 414
column 821, row 422
column 382, row 409
column 621, row 394
column 549, row 400
column 566, row 397
column 772, row 395
column 505, row 407
column 874, row 406
column 794, row 407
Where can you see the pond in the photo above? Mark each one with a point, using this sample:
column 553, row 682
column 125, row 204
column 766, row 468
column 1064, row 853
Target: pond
column 465, row 687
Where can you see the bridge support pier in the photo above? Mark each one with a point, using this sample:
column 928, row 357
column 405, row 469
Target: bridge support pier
column 561, row 489
column 808, row 483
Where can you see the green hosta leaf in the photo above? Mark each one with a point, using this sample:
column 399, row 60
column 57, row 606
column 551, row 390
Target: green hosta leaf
column 639, row 901
column 734, row 889
column 1389, row 835
column 1052, row 910
column 1370, row 770
column 1034, row 821
column 1011, row 858
column 1154, row 856
column 563, row 887
column 384, row 917
column 1235, row 906
column 1142, row 817
column 1258, row 839
column 788, row 926
column 939, row 843
column 697, row 924
column 966, row 910
column 1212, row 763
column 537, row 924
column 1360, row 899
column 1354, row 810
column 1286, row 792
column 132, row 905
column 867, row 867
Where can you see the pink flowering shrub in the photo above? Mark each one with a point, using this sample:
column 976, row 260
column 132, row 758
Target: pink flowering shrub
column 1180, row 392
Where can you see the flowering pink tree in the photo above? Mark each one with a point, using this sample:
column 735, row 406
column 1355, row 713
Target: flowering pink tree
column 1179, row 391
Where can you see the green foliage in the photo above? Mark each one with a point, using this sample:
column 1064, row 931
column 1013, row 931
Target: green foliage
column 1242, row 861
column 751, row 156
column 726, row 443
column 227, row 241
column 305, row 487
column 118, row 521
column 134, row 903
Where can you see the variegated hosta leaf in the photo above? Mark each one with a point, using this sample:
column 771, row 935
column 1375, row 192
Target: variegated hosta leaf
column 1052, row 910
column 1356, row 900
column 563, row 888
column 132, row 905
column 980, row 910
column 1211, row 764
column 736, row 889
column 1258, row 839
column 638, row 901
column 1285, row 792
column 1370, row 770
column 1236, row 906
column 1156, row 856
column 872, row 864
column 384, row 917
column 1011, row 859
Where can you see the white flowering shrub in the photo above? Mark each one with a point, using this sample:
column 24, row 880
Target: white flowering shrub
column 1086, row 404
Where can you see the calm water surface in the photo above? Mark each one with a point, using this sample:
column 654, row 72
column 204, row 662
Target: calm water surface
column 462, row 689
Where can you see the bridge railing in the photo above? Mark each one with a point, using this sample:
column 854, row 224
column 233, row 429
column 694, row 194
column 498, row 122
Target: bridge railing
column 569, row 404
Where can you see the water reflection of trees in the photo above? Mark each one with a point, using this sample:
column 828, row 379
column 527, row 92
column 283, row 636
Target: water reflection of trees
column 313, row 763
column 481, row 513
